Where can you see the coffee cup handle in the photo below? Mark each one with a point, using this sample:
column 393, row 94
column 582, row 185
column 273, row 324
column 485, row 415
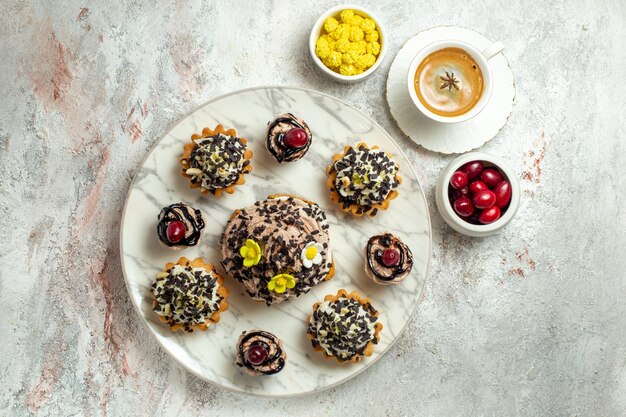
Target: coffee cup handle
column 493, row 50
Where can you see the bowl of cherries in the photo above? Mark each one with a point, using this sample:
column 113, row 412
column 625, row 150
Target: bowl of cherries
column 477, row 194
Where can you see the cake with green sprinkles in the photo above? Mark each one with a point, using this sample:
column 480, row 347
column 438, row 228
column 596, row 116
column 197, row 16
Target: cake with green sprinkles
column 189, row 295
column 278, row 248
column 363, row 180
column 344, row 326
column 216, row 160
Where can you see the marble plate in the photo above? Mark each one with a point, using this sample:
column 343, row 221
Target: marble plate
column 211, row 354
column 442, row 137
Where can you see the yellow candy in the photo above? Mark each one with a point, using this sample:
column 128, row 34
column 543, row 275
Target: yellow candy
column 348, row 58
column 356, row 21
column 322, row 48
column 342, row 31
column 356, row 34
column 373, row 48
column 342, row 45
column 365, row 61
column 333, row 60
column 347, row 70
column 347, row 16
column 330, row 24
column 349, row 44
column 372, row 36
column 368, row 25
column 362, row 47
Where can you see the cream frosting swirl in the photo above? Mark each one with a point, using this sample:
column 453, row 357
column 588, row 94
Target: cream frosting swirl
column 343, row 328
column 186, row 295
column 282, row 227
column 216, row 161
column 365, row 176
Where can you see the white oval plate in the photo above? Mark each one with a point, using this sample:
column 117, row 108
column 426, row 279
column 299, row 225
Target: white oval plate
column 444, row 137
column 158, row 183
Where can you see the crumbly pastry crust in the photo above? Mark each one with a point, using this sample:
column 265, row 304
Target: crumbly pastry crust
column 282, row 225
column 207, row 132
column 359, row 354
column 222, row 292
column 350, row 207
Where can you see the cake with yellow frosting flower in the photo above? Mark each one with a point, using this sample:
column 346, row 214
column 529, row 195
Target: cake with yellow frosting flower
column 278, row 248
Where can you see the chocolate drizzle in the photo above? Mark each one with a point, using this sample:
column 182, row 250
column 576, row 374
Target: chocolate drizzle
column 276, row 141
column 275, row 360
column 192, row 219
column 376, row 264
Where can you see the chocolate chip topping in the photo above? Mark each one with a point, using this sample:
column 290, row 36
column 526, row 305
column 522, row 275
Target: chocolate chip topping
column 275, row 140
column 374, row 250
column 282, row 227
column 186, row 295
column 364, row 176
column 219, row 159
column 276, row 357
column 343, row 328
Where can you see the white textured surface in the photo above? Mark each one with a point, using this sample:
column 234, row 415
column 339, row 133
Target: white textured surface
column 529, row 322
column 333, row 125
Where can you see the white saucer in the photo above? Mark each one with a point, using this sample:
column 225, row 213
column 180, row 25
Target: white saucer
column 449, row 138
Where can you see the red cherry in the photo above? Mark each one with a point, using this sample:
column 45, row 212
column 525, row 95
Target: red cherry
column 463, row 206
column 256, row 354
column 463, row 192
column 489, row 215
column 503, row 193
column 491, row 177
column 390, row 257
column 477, row 186
column 176, row 231
column 296, row 138
column 484, row 199
column 458, row 180
column 473, row 169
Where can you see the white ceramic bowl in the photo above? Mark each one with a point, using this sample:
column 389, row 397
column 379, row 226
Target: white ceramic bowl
column 453, row 219
column 318, row 27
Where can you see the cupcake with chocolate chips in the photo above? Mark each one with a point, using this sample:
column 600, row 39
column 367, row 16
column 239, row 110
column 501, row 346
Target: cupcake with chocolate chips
column 189, row 295
column 344, row 327
column 388, row 260
column 363, row 180
column 260, row 353
column 288, row 138
column 278, row 248
column 216, row 160
column 180, row 226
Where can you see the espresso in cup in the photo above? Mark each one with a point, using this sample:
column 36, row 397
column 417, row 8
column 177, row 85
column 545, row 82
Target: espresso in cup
column 449, row 82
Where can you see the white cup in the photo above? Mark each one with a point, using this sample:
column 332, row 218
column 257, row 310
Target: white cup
column 482, row 59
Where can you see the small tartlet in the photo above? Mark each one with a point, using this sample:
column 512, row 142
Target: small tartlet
column 368, row 200
column 223, row 169
column 189, row 295
column 344, row 310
